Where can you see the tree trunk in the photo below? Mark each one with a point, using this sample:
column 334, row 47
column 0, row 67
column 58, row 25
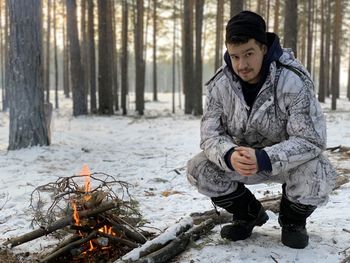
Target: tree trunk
column 309, row 34
column 27, row 119
column 174, row 58
column 47, row 53
column 65, row 70
column 155, row 95
column 219, row 35
column 115, row 59
column 328, row 51
column 139, row 59
column 76, row 69
column 84, row 45
column 336, row 53
column 290, row 25
column 321, row 89
column 348, row 90
column 2, row 64
column 236, row 7
column 198, row 107
column 124, row 57
column 6, row 95
column 91, row 57
column 188, row 56
column 55, row 53
column 105, row 94
column 276, row 17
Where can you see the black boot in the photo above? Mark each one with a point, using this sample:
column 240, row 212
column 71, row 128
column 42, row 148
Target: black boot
column 292, row 219
column 247, row 213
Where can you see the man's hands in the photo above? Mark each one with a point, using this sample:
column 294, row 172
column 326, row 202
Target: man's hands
column 244, row 161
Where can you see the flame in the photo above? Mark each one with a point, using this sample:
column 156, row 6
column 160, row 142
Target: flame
column 91, row 246
column 85, row 171
column 75, row 214
column 107, row 230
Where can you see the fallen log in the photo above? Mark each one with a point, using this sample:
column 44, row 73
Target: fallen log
column 169, row 250
column 12, row 242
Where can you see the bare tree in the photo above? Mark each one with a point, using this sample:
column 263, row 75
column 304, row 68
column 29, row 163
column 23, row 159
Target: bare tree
column 321, row 85
column 236, row 7
column 290, row 25
column 104, row 61
column 76, row 69
column 91, row 57
column 155, row 95
column 139, row 58
column 219, row 34
column 336, row 53
column 28, row 126
column 198, row 107
column 55, row 53
column 187, row 55
column 276, row 17
column 309, row 34
column 47, row 53
column 124, row 57
column 65, row 70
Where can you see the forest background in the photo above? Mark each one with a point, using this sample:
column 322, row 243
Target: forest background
column 107, row 54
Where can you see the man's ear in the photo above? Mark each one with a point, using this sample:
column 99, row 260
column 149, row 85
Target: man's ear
column 264, row 48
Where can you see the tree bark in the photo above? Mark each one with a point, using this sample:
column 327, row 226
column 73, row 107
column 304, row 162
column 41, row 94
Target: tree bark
column 219, row 35
column 55, row 53
column 91, row 57
column 236, row 7
column 139, row 58
column 188, row 79
column 198, row 107
column 336, row 54
column 290, row 25
column 105, row 94
column 124, row 57
column 321, row 85
column 155, row 95
column 276, row 17
column 65, row 70
column 27, row 118
column 76, row 69
column 47, row 53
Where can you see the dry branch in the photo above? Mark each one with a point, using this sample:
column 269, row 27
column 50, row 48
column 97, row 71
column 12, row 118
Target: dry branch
column 70, row 246
column 59, row 224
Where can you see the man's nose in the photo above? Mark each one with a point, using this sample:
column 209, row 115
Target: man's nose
column 242, row 64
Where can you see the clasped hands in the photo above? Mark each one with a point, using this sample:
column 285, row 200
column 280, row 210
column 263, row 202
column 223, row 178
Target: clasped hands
column 243, row 160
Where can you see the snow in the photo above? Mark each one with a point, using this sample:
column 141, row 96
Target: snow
column 150, row 153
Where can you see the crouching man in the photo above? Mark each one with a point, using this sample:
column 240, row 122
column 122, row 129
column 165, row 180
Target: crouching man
column 262, row 123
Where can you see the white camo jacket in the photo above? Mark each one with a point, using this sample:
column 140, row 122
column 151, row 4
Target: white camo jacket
column 285, row 120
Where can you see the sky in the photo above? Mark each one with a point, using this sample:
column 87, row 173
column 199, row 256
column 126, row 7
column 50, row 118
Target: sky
column 145, row 152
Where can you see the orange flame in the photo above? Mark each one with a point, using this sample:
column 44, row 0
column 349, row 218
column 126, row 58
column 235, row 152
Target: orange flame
column 85, row 171
column 75, row 214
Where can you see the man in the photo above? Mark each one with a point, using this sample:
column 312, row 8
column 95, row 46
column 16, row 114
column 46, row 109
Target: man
column 262, row 123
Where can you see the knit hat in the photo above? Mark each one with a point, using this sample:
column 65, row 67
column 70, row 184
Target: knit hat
column 246, row 23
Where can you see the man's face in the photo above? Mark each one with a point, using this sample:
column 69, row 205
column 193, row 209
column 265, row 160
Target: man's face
column 247, row 59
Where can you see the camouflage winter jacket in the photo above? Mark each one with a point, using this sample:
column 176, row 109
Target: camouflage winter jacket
column 285, row 120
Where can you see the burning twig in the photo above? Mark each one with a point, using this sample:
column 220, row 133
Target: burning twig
column 58, row 225
column 69, row 247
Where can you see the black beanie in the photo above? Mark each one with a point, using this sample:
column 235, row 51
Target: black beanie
column 246, row 23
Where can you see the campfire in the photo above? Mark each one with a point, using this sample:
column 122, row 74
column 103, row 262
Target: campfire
column 94, row 223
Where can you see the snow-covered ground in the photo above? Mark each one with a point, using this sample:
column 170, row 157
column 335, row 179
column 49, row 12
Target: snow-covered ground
column 148, row 152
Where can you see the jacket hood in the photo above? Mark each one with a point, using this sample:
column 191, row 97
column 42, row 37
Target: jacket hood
column 273, row 54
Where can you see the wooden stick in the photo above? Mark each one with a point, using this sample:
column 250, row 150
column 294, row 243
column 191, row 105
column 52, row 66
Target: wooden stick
column 61, row 223
column 71, row 245
column 119, row 240
column 179, row 244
